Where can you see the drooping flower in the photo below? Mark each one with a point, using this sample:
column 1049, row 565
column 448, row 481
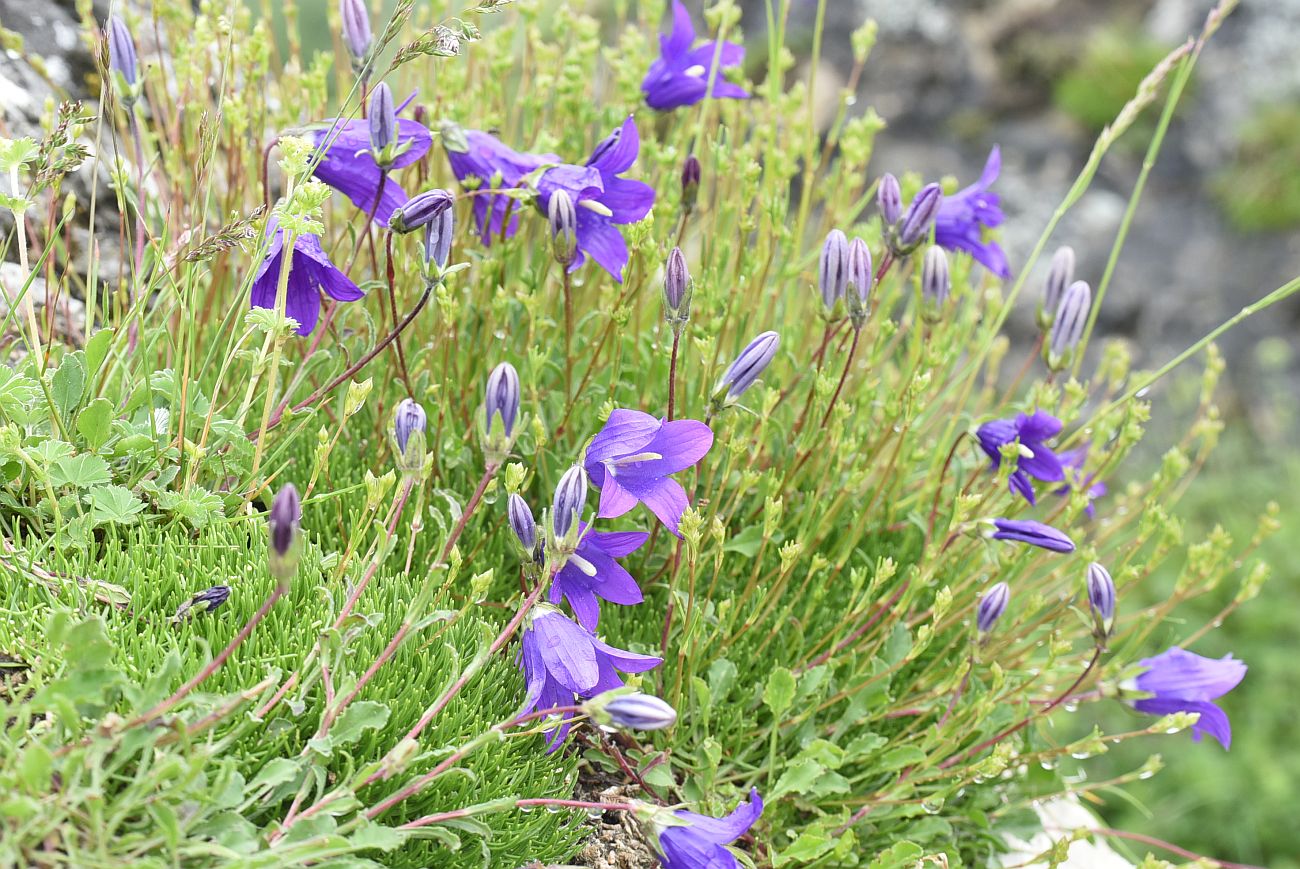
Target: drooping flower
column 602, row 199
column 481, row 162
column 1033, row 533
column 693, row 841
column 310, row 271
column 563, row 662
column 1037, row 460
column 681, row 75
column 1182, row 681
column 964, row 216
column 348, row 163
column 591, row 572
column 634, row 454
column 1072, row 462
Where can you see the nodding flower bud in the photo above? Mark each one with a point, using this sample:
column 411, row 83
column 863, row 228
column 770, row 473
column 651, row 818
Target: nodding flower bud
column 382, row 115
column 566, row 509
column 690, row 182
column 564, row 227
column 122, row 58
column 283, row 524
column 993, row 603
column 634, row 711
column 1067, row 330
column 438, row 235
column 889, row 198
column 677, row 290
column 501, row 407
column 523, row 524
column 209, row 600
column 1060, row 274
column 1101, row 598
column 857, row 286
column 919, row 218
column 746, row 368
column 421, row 210
column 936, row 283
column 409, row 425
column 833, row 268
column 356, row 29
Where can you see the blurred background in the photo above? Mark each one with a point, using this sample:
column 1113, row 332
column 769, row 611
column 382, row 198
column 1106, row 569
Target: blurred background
column 1218, row 227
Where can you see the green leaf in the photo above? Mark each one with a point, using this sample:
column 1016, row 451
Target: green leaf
column 95, row 423
column 799, row 777
column 114, row 504
column 904, row 755
column 96, row 351
column 35, row 764
column 747, row 542
column 68, row 384
column 378, row 836
column 897, row 856
column 19, row 396
column 360, row 716
column 198, row 506
column 82, row 472
column 779, row 693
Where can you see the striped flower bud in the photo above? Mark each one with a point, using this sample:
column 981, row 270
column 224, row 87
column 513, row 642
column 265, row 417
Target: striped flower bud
column 858, row 281
column 1060, row 274
column 690, row 182
column 409, row 425
column 1101, row 598
column 889, row 198
column 564, row 227
column 284, row 524
column 421, row 210
column 438, row 235
column 522, row 524
column 382, row 115
column 746, row 368
column 833, row 268
column 993, row 603
column 936, row 283
column 919, row 218
column 566, row 508
column 122, row 60
column 677, row 290
column 356, row 29
column 502, row 405
column 633, row 711
column 1067, row 330
column 207, row 601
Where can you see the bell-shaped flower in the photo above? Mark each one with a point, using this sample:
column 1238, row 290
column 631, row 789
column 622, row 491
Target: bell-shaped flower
column 681, row 74
column 1182, row 681
column 591, row 573
column 310, row 272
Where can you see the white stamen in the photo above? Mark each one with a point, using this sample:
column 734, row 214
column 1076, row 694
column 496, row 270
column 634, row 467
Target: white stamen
column 1025, row 452
column 697, row 71
column 582, row 564
column 593, row 205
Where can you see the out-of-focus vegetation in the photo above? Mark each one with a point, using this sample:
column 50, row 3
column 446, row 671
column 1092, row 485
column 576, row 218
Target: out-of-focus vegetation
column 1108, row 71
column 1260, row 189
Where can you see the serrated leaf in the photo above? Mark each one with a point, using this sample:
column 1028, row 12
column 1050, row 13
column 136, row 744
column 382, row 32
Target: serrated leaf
column 360, row 716
column 114, row 504
column 68, row 384
column 799, row 777
column 897, row 856
column 83, row 471
column 19, row 396
column 378, row 836
column 95, row 423
column 779, row 691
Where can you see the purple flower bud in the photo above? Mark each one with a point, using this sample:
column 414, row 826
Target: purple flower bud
column 889, row 198
column 993, row 603
column 382, row 115
column 283, row 524
column 677, row 288
column 409, row 418
column 564, row 227
column 858, row 282
column 522, row 523
column 1059, row 276
column 121, row 52
column 421, row 210
column 935, row 281
column 1101, row 595
column 209, row 600
column 1067, row 330
column 502, row 399
column 639, row 712
column 1033, row 533
column 690, row 182
column 833, row 268
column 356, row 27
column 570, row 499
column 920, row 217
column 747, row 367
column 438, row 235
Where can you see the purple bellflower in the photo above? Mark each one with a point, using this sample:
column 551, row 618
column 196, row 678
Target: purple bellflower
column 1033, row 533
column 634, row 454
column 348, row 164
column 482, row 158
column 1037, row 460
column 310, row 271
column 1072, row 462
column 1181, row 681
column 694, row 841
column 681, row 75
column 591, row 572
column 563, row 662
column 963, row 217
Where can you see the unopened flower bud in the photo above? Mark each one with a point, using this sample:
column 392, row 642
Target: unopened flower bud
column 936, row 283
column 677, row 290
column 1060, row 274
column 833, row 268
column 283, row 523
column 356, row 29
column 1101, row 598
column 564, row 227
column 566, row 509
column 857, row 286
column 690, row 182
column 501, row 407
column 991, row 606
column 382, row 115
column 421, row 210
column 122, row 59
column 889, row 198
column 919, row 217
column 746, row 368
column 1067, row 330
column 438, row 235
column 409, row 425
column 209, row 600
column 522, row 523
column 633, row 711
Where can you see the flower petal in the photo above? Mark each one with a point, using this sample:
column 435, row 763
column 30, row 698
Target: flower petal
column 683, row 33
column 625, row 433
column 616, row 544
column 1186, row 675
column 1213, row 720
column 567, row 651
column 728, row 829
column 601, row 240
column 629, row 200
column 664, row 496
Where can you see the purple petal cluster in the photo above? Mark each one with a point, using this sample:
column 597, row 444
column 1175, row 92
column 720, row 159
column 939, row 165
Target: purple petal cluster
column 564, row 662
column 310, row 272
column 1072, row 462
column 592, row 573
column 1182, row 681
column 1032, row 431
column 633, row 457
column 700, row 841
column 681, row 74
column 964, row 216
